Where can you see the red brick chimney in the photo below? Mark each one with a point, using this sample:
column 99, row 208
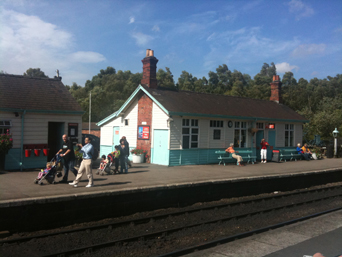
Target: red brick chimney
column 149, row 69
column 276, row 90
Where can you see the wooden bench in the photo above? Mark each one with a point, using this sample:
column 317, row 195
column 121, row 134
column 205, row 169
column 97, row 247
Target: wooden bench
column 289, row 154
column 245, row 154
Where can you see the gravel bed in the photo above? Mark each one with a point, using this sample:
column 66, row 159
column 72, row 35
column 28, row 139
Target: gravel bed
column 189, row 237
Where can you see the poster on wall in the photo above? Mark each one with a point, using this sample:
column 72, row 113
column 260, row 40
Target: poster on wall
column 144, row 132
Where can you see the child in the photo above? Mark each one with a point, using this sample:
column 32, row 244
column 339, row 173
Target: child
column 44, row 172
column 116, row 154
column 102, row 167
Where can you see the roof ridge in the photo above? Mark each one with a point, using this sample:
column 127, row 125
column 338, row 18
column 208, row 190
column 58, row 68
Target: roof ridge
column 28, row 77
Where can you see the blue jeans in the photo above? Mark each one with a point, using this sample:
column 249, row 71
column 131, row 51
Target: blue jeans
column 123, row 164
column 69, row 165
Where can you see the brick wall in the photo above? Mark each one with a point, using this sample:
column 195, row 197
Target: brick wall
column 145, row 115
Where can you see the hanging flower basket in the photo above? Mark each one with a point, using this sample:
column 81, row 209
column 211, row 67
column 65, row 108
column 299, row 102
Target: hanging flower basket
column 28, row 152
column 36, row 152
column 46, row 151
column 253, row 130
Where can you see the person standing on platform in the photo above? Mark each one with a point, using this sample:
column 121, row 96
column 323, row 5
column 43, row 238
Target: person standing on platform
column 127, row 145
column 263, row 151
column 124, row 152
column 86, row 165
column 68, row 154
column 235, row 156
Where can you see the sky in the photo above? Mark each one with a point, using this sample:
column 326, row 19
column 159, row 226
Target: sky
column 79, row 38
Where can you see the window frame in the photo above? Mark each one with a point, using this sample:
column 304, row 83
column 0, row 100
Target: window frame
column 289, row 140
column 5, row 126
column 192, row 136
column 240, row 128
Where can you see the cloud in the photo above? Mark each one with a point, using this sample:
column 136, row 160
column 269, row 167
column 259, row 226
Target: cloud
column 309, row 49
column 156, row 28
column 131, row 20
column 300, row 9
column 29, row 42
column 87, row 57
column 284, row 67
column 141, row 38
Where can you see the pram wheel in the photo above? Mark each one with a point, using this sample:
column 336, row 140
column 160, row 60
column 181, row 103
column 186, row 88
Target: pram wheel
column 40, row 183
column 35, row 181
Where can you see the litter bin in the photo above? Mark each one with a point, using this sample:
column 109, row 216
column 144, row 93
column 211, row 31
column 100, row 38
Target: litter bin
column 275, row 156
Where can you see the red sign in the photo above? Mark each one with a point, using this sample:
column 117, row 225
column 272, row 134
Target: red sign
column 144, row 132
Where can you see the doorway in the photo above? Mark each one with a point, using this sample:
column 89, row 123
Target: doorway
column 55, row 133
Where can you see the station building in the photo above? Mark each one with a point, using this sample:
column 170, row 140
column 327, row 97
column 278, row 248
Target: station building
column 185, row 128
column 37, row 112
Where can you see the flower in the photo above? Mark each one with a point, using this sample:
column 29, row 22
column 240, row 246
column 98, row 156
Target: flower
column 138, row 151
column 6, row 143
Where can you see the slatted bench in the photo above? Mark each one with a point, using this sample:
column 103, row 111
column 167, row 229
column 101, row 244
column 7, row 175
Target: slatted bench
column 245, row 154
column 289, row 154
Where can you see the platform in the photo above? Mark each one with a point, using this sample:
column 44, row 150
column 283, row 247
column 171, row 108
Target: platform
column 19, row 186
column 147, row 187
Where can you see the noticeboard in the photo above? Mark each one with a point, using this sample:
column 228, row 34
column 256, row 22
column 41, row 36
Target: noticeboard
column 144, row 132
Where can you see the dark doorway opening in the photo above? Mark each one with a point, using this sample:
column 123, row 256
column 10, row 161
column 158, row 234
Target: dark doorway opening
column 55, row 133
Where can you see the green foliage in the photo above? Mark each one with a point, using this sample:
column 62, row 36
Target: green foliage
column 319, row 100
column 37, row 73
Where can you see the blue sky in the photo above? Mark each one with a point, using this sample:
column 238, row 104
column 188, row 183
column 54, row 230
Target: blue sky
column 82, row 37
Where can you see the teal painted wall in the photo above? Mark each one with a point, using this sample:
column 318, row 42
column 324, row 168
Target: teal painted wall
column 32, row 162
column 197, row 156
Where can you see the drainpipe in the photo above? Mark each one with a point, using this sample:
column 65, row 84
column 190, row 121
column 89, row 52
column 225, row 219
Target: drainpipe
column 22, row 140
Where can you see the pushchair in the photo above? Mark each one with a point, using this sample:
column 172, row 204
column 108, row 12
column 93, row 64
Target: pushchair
column 50, row 175
column 105, row 167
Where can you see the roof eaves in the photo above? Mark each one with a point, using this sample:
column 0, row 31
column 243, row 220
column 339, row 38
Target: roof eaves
column 234, row 117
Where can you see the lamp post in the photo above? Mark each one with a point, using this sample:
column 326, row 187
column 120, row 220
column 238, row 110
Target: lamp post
column 335, row 133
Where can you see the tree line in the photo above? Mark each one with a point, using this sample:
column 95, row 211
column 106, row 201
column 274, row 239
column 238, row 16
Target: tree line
column 318, row 100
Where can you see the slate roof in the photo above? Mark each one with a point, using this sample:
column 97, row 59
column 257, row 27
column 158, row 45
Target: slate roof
column 202, row 104
column 36, row 94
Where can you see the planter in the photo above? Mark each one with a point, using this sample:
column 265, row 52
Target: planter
column 36, row 152
column 138, row 158
column 46, row 151
column 28, row 152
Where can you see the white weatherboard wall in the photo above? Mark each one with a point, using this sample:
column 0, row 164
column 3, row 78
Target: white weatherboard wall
column 176, row 133
column 280, row 134
column 298, row 134
column 36, row 126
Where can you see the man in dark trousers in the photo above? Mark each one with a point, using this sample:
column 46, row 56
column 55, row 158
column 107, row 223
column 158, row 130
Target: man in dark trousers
column 68, row 155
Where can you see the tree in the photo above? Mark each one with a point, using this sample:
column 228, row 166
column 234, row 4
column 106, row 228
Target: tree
column 37, row 73
column 165, row 78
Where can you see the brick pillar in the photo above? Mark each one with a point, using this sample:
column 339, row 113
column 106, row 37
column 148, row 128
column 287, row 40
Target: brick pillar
column 149, row 70
column 276, row 90
column 145, row 117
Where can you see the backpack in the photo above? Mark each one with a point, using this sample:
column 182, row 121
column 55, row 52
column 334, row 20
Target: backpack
column 95, row 155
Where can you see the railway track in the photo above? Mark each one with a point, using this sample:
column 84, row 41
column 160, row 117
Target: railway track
column 187, row 230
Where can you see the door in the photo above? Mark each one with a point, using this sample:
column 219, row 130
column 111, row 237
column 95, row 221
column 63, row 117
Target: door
column 271, row 142
column 55, row 141
column 259, row 136
column 116, row 137
column 160, row 146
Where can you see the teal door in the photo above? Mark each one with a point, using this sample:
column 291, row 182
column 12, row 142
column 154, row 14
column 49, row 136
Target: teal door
column 116, row 137
column 160, row 147
column 271, row 142
column 259, row 136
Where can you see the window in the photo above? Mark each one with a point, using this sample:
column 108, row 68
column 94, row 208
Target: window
column 5, row 126
column 190, row 133
column 217, row 134
column 240, row 134
column 216, row 123
column 260, row 125
column 289, row 132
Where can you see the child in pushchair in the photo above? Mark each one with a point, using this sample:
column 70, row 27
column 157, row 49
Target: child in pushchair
column 103, row 166
column 49, row 173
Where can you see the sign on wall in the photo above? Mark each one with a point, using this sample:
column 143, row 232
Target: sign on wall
column 144, row 132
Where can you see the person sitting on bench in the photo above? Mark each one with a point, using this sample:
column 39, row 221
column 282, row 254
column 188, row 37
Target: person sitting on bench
column 301, row 152
column 235, row 156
